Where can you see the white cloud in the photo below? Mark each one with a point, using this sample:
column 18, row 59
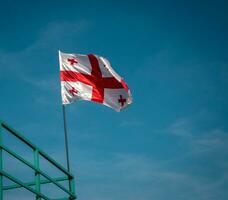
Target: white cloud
column 181, row 127
column 214, row 141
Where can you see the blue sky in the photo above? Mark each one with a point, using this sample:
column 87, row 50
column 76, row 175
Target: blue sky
column 172, row 142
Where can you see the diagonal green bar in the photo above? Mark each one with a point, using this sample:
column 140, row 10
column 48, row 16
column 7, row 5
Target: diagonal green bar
column 37, row 170
column 23, row 185
column 9, row 187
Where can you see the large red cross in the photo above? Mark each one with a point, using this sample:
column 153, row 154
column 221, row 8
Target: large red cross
column 95, row 80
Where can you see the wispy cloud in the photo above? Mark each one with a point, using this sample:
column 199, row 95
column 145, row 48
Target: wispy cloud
column 199, row 140
column 54, row 36
column 122, row 174
column 181, row 127
column 213, row 141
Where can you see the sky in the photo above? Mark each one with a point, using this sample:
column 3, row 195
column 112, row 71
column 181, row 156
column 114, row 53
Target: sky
column 171, row 143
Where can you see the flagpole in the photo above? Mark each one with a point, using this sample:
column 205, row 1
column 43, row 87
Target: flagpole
column 66, row 138
column 65, row 125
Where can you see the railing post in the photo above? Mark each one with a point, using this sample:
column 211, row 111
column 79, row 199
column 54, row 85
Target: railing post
column 37, row 174
column 1, row 164
column 71, row 185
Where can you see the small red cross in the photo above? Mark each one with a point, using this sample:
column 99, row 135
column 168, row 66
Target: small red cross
column 72, row 61
column 122, row 101
column 73, row 91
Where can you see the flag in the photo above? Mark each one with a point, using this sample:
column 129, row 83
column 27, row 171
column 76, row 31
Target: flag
column 91, row 77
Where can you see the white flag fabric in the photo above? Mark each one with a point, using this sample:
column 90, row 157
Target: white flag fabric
column 91, row 77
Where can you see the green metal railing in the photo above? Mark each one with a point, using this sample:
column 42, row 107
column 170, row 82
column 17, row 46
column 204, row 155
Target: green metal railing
column 70, row 192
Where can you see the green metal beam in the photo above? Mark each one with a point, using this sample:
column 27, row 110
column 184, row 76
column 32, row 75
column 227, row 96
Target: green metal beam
column 15, row 186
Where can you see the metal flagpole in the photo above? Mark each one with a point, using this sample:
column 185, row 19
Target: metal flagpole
column 66, row 138
column 65, row 126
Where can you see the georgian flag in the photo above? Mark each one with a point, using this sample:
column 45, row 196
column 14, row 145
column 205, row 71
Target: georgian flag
column 91, row 77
